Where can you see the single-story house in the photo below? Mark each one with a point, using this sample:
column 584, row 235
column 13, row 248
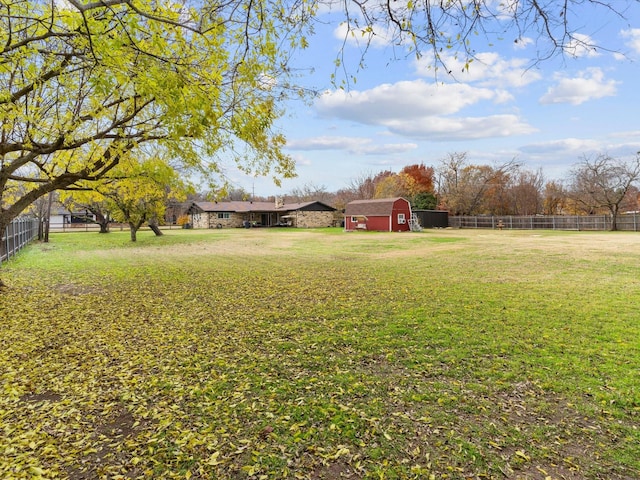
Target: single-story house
column 383, row 215
column 61, row 217
column 260, row 214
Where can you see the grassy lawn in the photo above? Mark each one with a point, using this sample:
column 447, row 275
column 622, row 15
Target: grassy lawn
column 319, row 354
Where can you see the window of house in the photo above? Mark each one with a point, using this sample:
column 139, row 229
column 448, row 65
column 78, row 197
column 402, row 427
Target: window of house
column 354, row 219
column 401, row 219
column 224, row 215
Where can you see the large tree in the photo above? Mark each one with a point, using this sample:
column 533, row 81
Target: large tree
column 135, row 192
column 604, row 182
column 91, row 201
column 396, row 185
column 142, row 193
column 423, row 176
column 84, row 84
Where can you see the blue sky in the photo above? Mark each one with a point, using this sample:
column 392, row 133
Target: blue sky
column 547, row 115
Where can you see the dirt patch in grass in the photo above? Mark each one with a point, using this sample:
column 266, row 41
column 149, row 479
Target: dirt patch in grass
column 108, row 447
column 76, row 289
column 41, row 397
column 334, row 471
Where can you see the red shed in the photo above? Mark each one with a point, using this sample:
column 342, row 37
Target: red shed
column 382, row 215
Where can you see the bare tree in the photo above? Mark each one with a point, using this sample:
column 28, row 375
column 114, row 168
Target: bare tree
column 237, row 194
column 555, row 198
column 466, row 189
column 526, row 192
column 364, row 186
column 342, row 197
column 631, row 202
column 311, row 192
column 603, row 182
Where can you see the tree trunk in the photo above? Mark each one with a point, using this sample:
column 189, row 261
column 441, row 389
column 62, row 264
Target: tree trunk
column 103, row 221
column 153, row 225
column 40, row 228
column 614, row 221
column 47, row 217
column 134, row 230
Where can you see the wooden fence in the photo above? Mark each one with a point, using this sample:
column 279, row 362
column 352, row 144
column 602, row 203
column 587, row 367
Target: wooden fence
column 625, row 222
column 16, row 236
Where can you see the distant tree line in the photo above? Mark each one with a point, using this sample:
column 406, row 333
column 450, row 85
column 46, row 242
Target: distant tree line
column 595, row 185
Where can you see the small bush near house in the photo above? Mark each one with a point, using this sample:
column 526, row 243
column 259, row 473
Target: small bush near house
column 182, row 220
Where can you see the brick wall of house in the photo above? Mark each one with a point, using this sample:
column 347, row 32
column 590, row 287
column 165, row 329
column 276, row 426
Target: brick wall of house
column 199, row 220
column 211, row 220
column 302, row 219
column 313, row 219
column 234, row 221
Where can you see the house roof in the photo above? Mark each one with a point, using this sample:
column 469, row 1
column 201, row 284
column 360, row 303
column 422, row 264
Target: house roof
column 292, row 207
column 247, row 207
column 59, row 211
column 233, row 206
column 373, row 208
column 64, row 211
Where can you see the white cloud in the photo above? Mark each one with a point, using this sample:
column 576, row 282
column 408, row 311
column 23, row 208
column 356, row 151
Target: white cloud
column 566, row 146
column 375, row 30
column 522, row 43
column 377, row 36
column 488, row 69
column 630, row 134
column 633, row 38
column 327, row 143
column 421, row 110
column 463, row 128
column 582, row 46
column 590, row 84
column 301, row 160
column 558, row 156
column 389, row 148
column 355, row 145
column 406, row 100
